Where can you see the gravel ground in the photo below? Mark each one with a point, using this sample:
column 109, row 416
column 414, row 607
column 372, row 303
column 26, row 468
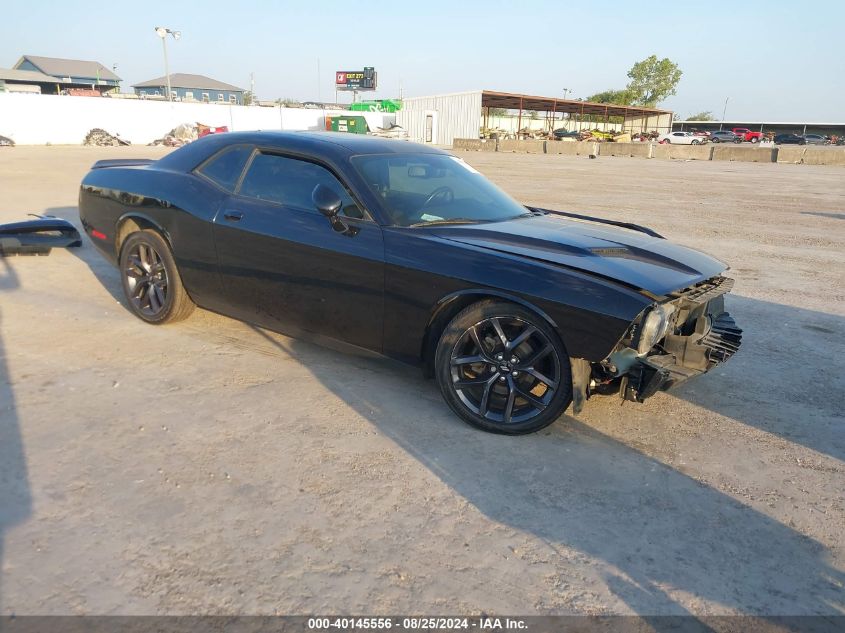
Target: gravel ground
column 213, row 467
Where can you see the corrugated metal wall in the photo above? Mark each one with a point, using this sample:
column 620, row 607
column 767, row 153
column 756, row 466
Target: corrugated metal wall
column 458, row 116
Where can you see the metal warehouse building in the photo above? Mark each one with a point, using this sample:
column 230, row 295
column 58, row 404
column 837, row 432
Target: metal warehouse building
column 440, row 119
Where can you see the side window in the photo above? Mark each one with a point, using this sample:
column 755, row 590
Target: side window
column 225, row 168
column 290, row 182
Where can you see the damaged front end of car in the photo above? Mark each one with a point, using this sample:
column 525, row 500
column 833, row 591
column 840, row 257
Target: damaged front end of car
column 670, row 342
column 37, row 237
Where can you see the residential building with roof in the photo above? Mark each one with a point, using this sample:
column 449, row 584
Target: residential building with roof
column 186, row 87
column 31, row 81
column 70, row 73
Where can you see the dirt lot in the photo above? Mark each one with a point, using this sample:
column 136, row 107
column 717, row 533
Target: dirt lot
column 211, row 467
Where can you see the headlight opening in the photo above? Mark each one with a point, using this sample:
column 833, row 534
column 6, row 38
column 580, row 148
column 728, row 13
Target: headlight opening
column 655, row 327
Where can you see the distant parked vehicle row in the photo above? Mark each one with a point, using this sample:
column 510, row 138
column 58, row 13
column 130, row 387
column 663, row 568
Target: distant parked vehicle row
column 801, row 139
column 681, row 138
column 747, row 135
column 744, row 134
column 725, row 136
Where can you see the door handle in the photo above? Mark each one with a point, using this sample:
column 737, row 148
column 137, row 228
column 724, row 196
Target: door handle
column 233, row 216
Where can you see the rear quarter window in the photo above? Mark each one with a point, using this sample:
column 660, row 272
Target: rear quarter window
column 225, row 167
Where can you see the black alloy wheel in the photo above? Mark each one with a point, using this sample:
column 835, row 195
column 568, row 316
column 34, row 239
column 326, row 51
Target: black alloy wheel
column 151, row 282
column 146, row 279
column 503, row 369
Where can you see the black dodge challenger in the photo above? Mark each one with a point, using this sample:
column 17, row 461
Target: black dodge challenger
column 409, row 252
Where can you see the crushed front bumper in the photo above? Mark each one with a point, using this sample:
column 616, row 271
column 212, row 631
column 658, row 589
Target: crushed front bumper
column 714, row 340
column 702, row 336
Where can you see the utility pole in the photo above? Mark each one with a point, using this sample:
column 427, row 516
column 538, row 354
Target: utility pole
column 723, row 113
column 163, row 32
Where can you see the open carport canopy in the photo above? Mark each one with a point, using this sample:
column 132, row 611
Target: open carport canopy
column 510, row 101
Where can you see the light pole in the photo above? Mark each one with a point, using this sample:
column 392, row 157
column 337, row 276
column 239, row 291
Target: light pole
column 566, row 91
column 162, row 33
column 723, row 113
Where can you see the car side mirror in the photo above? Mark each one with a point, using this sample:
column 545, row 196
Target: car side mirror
column 328, row 203
column 326, row 200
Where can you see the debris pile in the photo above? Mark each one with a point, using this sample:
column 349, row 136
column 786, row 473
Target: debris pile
column 187, row 132
column 101, row 138
column 6, row 141
column 394, row 131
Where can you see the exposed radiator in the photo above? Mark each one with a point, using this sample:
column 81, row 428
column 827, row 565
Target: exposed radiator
column 723, row 339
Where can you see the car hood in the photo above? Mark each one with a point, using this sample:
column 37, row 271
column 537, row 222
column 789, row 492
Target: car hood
column 630, row 257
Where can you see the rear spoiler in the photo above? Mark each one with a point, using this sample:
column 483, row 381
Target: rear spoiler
column 590, row 218
column 37, row 237
column 122, row 162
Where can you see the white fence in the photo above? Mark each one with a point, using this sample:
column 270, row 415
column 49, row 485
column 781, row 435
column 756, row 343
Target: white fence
column 63, row 120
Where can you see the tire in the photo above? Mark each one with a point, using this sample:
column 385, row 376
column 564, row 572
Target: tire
column 508, row 389
column 668, row 141
column 754, row 139
column 695, row 142
column 715, row 140
column 151, row 282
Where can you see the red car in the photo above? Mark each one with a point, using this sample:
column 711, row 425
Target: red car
column 748, row 135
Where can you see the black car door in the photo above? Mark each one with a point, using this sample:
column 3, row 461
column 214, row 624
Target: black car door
column 284, row 266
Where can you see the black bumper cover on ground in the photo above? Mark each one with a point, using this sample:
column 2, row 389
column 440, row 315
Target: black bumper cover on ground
column 37, row 237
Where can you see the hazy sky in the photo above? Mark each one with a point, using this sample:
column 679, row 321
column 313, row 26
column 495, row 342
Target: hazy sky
column 776, row 60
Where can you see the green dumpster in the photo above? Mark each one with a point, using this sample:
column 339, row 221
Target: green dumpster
column 353, row 124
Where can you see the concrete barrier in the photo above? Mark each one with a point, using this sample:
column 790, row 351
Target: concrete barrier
column 566, row 148
column 640, row 150
column 468, row 144
column 791, row 154
column 585, row 148
column 475, row 144
column 681, row 152
column 744, row 154
column 531, row 146
column 824, row 156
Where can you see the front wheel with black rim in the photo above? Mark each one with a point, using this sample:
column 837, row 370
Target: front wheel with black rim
column 151, row 281
column 503, row 369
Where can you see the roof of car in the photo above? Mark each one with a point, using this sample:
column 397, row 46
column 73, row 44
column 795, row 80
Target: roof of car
column 330, row 145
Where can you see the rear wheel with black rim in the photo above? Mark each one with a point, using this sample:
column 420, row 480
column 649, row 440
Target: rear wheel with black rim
column 503, row 369
column 151, row 281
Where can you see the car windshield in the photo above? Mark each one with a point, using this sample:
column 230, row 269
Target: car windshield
column 430, row 189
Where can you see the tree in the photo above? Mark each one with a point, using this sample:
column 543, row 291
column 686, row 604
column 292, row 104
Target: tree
column 616, row 97
column 702, row 116
column 249, row 98
column 496, row 112
column 653, row 80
